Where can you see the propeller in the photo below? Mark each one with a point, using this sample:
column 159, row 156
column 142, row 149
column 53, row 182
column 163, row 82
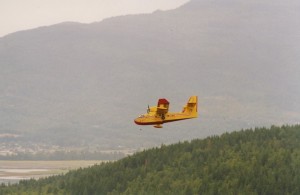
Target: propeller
column 148, row 110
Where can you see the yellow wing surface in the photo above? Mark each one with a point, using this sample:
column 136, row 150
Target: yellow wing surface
column 162, row 107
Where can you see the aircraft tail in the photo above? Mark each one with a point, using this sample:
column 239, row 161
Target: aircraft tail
column 191, row 107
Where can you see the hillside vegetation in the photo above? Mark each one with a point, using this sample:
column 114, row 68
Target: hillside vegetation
column 254, row 161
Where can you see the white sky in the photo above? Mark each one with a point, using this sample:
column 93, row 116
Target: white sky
column 18, row 15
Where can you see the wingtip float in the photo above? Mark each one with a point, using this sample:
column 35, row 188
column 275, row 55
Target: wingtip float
column 158, row 115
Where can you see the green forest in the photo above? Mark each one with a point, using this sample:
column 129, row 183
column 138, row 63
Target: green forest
column 252, row 161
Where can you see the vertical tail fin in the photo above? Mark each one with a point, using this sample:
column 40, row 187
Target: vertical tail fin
column 191, row 107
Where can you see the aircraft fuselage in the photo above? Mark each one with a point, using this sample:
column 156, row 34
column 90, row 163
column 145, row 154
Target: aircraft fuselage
column 147, row 119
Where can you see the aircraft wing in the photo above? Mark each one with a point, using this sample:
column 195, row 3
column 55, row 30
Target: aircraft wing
column 162, row 106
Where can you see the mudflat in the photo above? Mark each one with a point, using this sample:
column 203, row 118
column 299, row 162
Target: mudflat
column 14, row 171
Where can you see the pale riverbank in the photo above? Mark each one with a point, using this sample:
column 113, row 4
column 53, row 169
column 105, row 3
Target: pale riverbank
column 14, row 171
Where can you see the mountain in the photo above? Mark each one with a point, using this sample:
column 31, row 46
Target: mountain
column 253, row 161
column 81, row 84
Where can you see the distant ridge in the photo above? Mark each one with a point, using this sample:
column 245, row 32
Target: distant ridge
column 83, row 84
column 255, row 161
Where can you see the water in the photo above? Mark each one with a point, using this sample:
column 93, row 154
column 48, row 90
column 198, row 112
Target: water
column 12, row 172
column 12, row 176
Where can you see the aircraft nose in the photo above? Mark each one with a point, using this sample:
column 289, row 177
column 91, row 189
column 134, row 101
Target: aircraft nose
column 137, row 121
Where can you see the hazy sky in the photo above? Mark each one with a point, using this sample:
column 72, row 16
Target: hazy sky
column 18, row 15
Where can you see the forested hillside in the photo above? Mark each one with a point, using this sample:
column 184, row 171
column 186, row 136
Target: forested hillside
column 254, row 161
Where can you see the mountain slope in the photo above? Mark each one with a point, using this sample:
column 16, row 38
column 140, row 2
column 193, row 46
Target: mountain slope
column 259, row 161
column 76, row 83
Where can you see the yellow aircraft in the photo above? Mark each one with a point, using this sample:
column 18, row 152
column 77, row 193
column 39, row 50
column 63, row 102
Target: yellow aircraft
column 157, row 115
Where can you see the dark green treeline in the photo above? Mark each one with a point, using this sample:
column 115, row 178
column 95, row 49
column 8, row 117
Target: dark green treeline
column 255, row 161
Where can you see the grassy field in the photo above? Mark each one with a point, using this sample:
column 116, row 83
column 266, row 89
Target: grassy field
column 13, row 171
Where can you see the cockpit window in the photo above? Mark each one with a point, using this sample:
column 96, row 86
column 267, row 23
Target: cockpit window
column 142, row 116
